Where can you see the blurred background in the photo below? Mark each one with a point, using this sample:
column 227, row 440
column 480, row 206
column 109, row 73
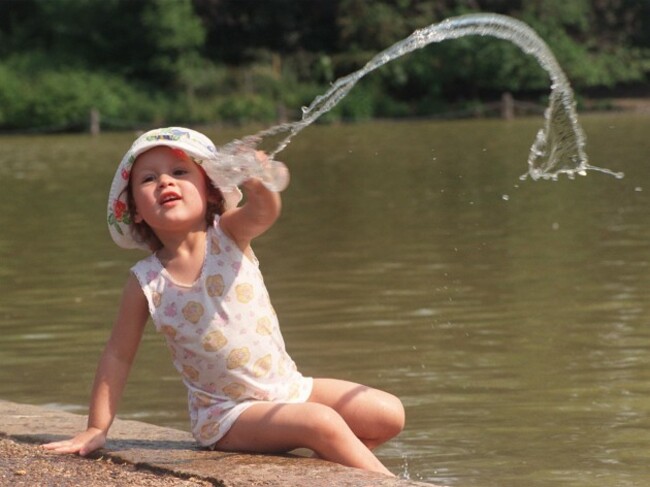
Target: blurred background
column 156, row 62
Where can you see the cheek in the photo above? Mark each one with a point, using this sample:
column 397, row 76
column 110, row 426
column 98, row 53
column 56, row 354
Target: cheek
column 141, row 201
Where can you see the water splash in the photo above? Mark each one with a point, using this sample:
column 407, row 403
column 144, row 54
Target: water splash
column 237, row 162
column 559, row 145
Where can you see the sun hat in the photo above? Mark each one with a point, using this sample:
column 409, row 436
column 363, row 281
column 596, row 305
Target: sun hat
column 196, row 145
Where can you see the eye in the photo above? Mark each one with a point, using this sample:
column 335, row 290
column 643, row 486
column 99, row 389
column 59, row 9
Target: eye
column 147, row 178
column 180, row 171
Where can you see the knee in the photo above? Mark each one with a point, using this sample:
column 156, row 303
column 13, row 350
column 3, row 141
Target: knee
column 392, row 418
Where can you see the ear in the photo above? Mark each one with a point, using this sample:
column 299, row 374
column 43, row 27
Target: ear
column 137, row 218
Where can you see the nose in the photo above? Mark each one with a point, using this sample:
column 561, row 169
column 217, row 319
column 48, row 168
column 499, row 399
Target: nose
column 165, row 180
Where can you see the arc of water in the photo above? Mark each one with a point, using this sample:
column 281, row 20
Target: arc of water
column 559, row 145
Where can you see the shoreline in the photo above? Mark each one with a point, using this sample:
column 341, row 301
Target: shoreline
column 511, row 109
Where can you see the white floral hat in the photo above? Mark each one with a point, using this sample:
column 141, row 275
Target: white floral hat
column 196, row 145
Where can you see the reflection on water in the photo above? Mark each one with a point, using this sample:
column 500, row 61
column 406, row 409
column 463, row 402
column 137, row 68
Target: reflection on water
column 509, row 316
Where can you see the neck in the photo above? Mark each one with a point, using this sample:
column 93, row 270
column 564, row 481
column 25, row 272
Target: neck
column 183, row 258
column 175, row 245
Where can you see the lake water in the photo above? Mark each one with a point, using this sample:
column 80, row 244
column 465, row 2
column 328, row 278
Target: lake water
column 511, row 317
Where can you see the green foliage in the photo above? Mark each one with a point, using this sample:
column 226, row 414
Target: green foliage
column 247, row 108
column 581, row 33
column 185, row 61
column 174, row 35
column 12, row 97
column 59, row 100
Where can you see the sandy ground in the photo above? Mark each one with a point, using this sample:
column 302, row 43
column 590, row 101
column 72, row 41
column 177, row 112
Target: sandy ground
column 23, row 464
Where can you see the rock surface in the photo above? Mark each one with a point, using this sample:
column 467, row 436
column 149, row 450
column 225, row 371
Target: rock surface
column 140, row 454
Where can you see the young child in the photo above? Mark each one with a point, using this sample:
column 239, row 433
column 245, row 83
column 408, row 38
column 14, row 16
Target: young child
column 205, row 294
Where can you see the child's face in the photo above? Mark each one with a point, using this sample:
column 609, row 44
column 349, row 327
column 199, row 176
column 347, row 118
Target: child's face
column 169, row 191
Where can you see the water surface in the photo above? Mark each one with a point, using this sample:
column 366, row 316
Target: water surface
column 509, row 316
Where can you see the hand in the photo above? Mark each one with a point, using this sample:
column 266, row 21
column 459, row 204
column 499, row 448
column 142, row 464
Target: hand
column 84, row 443
column 274, row 174
column 262, row 157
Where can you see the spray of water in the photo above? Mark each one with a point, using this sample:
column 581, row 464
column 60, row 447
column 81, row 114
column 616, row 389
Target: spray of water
column 559, row 145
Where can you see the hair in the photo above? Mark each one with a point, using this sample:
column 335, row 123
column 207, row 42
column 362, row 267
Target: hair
column 216, row 205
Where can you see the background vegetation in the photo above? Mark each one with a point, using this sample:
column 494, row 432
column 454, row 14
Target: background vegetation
column 143, row 62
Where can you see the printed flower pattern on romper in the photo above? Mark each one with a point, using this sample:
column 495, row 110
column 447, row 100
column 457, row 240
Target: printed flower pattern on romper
column 214, row 341
column 190, row 372
column 244, row 293
column 193, row 311
column 238, row 358
column 234, row 390
column 215, row 285
column 294, row 391
column 263, row 326
column 210, row 430
column 170, row 310
column 168, row 330
column 201, row 399
column 263, row 366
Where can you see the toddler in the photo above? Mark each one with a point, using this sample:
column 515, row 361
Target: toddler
column 203, row 289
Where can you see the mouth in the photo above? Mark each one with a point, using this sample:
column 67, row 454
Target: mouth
column 168, row 198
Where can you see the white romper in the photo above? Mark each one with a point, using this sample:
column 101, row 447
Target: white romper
column 223, row 335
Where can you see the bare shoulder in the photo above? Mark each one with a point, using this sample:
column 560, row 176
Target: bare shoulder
column 132, row 291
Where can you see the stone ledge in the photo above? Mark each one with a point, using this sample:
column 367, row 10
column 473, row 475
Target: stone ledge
column 174, row 453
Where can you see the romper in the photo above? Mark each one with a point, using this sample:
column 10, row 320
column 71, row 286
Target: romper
column 223, row 335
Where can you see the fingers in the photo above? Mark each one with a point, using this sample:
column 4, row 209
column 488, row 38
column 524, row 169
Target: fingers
column 262, row 156
column 82, row 444
column 69, row 449
column 67, row 446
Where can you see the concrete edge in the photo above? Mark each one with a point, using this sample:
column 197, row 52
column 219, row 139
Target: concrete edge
column 173, row 452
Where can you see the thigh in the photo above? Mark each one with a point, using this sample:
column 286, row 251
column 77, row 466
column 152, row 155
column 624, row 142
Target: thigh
column 268, row 427
column 370, row 413
column 276, row 427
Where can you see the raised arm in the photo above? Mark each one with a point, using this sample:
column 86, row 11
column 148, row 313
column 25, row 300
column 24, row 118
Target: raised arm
column 112, row 372
column 256, row 215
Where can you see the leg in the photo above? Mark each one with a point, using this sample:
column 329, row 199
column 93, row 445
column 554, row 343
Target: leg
column 374, row 416
column 269, row 427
